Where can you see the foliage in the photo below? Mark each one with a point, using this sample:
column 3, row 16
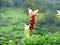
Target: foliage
column 51, row 4
column 48, row 39
column 12, row 22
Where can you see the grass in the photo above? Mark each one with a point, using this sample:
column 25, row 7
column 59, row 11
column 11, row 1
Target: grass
column 11, row 17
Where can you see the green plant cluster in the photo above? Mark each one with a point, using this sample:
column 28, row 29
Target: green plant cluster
column 48, row 39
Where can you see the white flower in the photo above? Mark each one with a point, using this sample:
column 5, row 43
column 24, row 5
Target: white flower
column 32, row 12
column 26, row 27
column 26, row 30
column 35, row 11
column 2, row 38
column 58, row 15
column 10, row 40
column 58, row 12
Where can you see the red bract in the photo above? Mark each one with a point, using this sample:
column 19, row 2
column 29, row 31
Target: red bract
column 32, row 19
column 32, row 22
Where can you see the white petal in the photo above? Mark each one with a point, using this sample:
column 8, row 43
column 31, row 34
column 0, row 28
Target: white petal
column 35, row 11
column 30, row 11
column 58, row 11
column 10, row 40
column 26, row 27
column 2, row 37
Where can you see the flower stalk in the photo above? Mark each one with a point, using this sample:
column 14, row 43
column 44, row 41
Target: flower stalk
column 32, row 19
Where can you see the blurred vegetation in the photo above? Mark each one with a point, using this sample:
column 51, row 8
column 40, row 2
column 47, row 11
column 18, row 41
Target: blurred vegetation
column 50, row 6
column 47, row 39
column 14, row 14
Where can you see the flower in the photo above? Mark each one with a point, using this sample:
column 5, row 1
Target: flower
column 26, row 31
column 58, row 14
column 32, row 18
column 10, row 40
column 2, row 38
column 26, row 27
